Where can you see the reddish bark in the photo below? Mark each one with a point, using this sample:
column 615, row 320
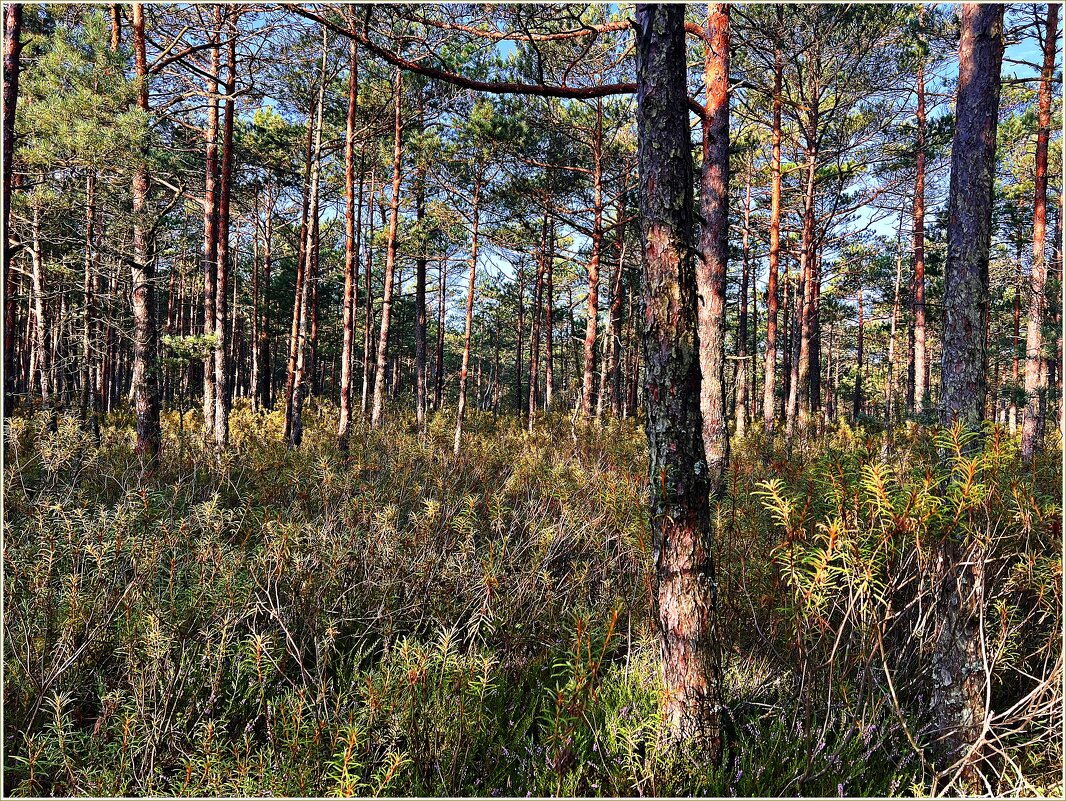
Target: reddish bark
column 685, row 594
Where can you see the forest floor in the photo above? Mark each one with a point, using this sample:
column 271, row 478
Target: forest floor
column 402, row 622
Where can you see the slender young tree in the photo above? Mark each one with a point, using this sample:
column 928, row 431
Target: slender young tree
column 1035, row 379
column 223, row 397
column 920, row 388
column 300, row 378
column 211, row 211
column 145, row 346
column 769, row 402
column 351, row 254
column 461, row 407
column 592, row 304
column 741, row 401
column 390, row 263
column 684, row 598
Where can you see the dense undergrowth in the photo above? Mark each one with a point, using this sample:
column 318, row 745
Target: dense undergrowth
column 406, row 623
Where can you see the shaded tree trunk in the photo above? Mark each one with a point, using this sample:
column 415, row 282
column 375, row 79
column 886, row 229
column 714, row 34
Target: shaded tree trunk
column 684, row 598
column 87, row 401
column 12, row 52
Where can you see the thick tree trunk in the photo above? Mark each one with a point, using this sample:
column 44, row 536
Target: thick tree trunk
column 390, row 266
column 714, row 246
column 145, row 363
column 12, row 51
column 959, row 691
column 685, row 595
column 964, row 380
column 223, row 397
column 351, row 254
column 461, row 408
column 1035, row 379
column 769, row 398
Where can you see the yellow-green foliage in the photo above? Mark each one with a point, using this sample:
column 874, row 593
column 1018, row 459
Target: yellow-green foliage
column 402, row 622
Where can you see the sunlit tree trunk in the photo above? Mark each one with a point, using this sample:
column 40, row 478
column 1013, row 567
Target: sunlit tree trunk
column 223, row 397
column 420, row 301
column 301, row 273
column 798, row 414
column 368, row 318
column 920, row 388
column 461, row 408
column 741, row 401
column 714, row 245
column 685, row 596
column 958, row 700
column 592, row 308
column 303, row 303
column 549, row 326
column 42, row 319
column 211, row 214
column 857, row 398
column 1035, row 378
column 614, row 361
column 769, row 401
column 145, row 345
column 438, row 361
column 351, row 254
column 534, row 339
column 390, row 266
